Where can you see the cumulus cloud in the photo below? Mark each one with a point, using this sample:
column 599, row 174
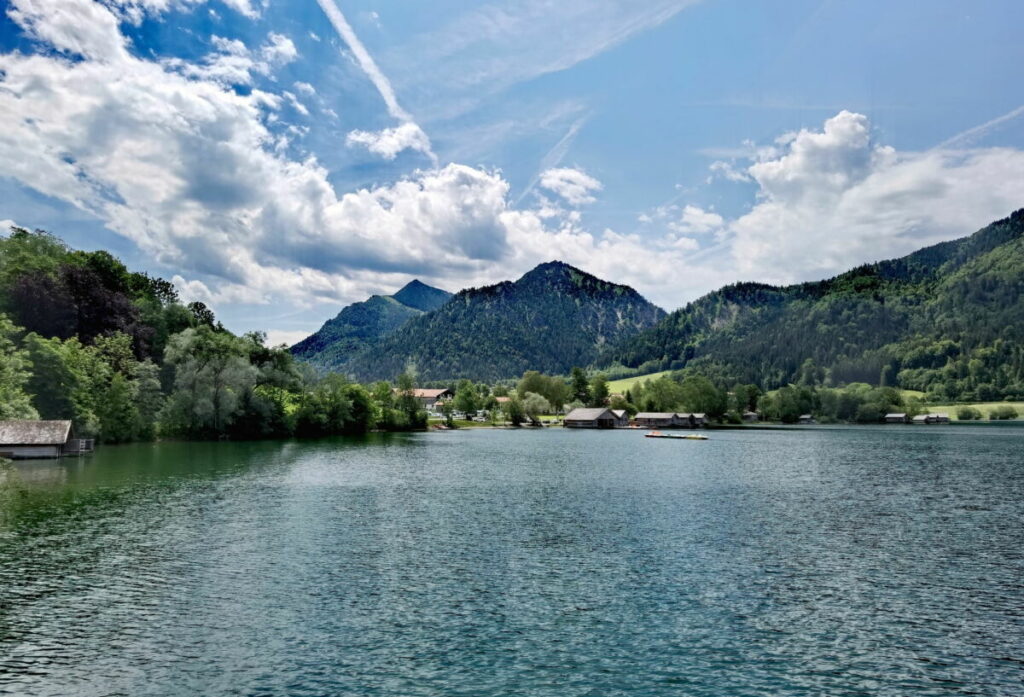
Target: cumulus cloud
column 696, row 220
column 573, row 185
column 233, row 63
column 833, row 198
column 389, row 142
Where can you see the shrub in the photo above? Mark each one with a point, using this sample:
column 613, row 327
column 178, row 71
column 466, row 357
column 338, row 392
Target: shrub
column 1003, row 413
column 968, row 414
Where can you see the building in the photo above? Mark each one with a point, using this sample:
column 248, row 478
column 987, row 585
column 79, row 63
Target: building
column 590, row 418
column 656, row 419
column 931, row 419
column 430, row 398
column 806, row 419
column 896, row 418
column 621, row 418
column 684, row 420
column 21, row 440
column 750, row 416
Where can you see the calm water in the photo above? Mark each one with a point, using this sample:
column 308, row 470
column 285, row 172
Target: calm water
column 844, row 561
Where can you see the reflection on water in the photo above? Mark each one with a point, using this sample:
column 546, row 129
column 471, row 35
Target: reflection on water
column 845, row 561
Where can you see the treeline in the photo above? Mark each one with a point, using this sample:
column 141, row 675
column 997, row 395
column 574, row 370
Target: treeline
column 117, row 353
column 947, row 320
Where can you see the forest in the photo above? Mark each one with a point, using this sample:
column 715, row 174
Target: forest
column 117, row 353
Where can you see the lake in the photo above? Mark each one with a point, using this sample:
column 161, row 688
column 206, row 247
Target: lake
column 818, row 561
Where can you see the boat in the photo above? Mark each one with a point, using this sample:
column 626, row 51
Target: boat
column 688, row 436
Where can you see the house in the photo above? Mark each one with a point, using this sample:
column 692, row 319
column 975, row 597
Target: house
column 931, row 419
column 684, row 420
column 656, row 419
column 20, row 440
column 429, row 398
column 590, row 418
column 621, row 418
column 896, row 418
column 750, row 416
column 806, row 419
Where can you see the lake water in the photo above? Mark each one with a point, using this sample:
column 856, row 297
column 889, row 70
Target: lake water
column 820, row 561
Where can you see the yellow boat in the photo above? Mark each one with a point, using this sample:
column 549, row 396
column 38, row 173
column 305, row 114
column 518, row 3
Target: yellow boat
column 689, row 436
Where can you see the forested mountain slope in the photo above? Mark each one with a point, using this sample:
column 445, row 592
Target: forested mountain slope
column 360, row 324
column 551, row 319
column 947, row 319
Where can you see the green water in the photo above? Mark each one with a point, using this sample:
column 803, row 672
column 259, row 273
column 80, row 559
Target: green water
column 823, row 561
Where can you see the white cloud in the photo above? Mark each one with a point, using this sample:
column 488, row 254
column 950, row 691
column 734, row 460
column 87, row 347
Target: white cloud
column 697, row 221
column 573, row 185
column 389, row 142
column 233, row 63
column 276, row 337
column 305, row 88
column 6, row 225
column 830, row 199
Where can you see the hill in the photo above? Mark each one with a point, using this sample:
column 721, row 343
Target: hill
column 360, row 324
column 947, row 320
column 554, row 317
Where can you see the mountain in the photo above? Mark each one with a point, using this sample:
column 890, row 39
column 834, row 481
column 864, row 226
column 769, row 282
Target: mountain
column 551, row 319
column 947, row 319
column 360, row 324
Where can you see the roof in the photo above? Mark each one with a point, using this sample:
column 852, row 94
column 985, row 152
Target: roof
column 922, row 417
column 502, row 400
column 619, row 413
column 430, row 394
column 34, row 432
column 586, row 414
column 655, row 415
column 896, row 416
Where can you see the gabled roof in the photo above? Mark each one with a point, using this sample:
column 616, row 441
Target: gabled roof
column 34, row 432
column 430, row 394
column 619, row 413
column 655, row 415
column 581, row 414
column 896, row 416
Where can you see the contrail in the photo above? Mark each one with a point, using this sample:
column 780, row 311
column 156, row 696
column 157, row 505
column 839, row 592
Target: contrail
column 554, row 156
column 366, row 62
column 972, row 134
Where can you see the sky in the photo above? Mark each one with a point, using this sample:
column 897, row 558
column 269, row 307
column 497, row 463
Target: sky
column 278, row 160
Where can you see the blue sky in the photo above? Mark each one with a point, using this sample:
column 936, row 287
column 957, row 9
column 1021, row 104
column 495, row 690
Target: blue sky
column 278, row 160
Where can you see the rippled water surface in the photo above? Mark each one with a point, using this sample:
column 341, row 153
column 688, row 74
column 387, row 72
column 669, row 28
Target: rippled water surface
column 822, row 561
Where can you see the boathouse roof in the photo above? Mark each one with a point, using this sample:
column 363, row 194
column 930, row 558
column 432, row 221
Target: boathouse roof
column 584, row 414
column 34, row 432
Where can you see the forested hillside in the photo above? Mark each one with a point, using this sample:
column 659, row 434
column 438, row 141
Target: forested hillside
column 360, row 324
column 551, row 319
column 947, row 320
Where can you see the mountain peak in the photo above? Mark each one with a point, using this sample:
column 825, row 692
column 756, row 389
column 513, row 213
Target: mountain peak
column 420, row 296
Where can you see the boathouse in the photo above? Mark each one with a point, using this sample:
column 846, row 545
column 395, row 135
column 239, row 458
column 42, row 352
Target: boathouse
column 750, row 416
column 896, row 418
column 621, row 418
column 806, row 419
column 21, row 440
column 656, row 419
column 590, row 418
column 931, row 419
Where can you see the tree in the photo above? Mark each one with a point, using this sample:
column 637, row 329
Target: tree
column 599, row 391
column 513, row 409
column 467, row 398
column 579, row 385
column 534, row 405
column 15, row 374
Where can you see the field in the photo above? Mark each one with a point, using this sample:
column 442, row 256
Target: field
column 620, row 386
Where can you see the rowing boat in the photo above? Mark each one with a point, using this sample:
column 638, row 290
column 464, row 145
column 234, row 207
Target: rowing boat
column 688, row 436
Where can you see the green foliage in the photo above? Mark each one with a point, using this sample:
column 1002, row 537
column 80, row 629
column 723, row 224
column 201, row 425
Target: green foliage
column 15, row 374
column 467, row 398
column 599, row 391
column 579, row 385
column 514, row 411
column 1002, row 413
column 552, row 388
column 534, row 405
column 966, row 413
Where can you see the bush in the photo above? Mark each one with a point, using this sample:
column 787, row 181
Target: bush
column 1003, row 413
column 968, row 414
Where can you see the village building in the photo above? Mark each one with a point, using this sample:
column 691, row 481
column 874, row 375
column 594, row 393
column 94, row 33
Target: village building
column 590, row 418
column 656, row 419
column 896, row 418
column 931, row 419
column 806, row 419
column 429, row 398
column 686, row 420
column 750, row 416
column 20, row 440
column 621, row 418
